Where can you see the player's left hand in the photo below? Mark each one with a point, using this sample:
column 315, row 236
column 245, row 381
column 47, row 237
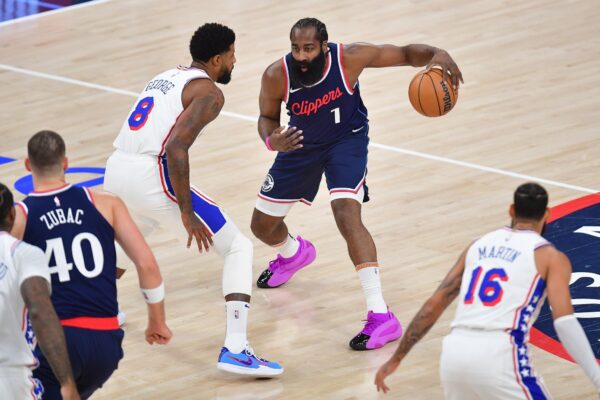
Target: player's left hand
column 384, row 371
column 158, row 333
column 449, row 68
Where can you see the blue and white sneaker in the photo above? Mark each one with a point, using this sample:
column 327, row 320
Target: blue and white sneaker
column 247, row 363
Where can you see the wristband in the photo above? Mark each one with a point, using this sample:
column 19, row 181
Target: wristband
column 268, row 143
column 155, row 295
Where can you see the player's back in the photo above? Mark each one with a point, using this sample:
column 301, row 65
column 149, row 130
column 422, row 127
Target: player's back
column 79, row 246
column 153, row 115
column 501, row 287
column 18, row 339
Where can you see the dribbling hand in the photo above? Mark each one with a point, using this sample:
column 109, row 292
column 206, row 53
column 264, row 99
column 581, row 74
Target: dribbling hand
column 196, row 229
column 449, row 67
column 286, row 140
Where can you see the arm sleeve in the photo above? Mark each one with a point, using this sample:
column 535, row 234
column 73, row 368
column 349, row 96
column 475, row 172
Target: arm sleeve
column 30, row 261
column 573, row 338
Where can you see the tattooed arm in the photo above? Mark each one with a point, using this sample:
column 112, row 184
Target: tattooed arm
column 49, row 333
column 424, row 320
column 202, row 102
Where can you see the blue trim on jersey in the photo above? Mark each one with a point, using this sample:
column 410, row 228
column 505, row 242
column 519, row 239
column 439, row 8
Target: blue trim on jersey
column 520, row 333
column 204, row 209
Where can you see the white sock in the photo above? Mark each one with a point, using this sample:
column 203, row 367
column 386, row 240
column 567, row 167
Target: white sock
column 289, row 248
column 237, row 319
column 371, row 284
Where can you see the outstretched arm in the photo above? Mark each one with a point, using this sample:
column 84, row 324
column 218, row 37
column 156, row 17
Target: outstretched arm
column 202, row 102
column 358, row 56
column 133, row 243
column 424, row 320
column 567, row 326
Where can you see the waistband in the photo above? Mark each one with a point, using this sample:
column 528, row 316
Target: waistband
column 136, row 156
column 94, row 323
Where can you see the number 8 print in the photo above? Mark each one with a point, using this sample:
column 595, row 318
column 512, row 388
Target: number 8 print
column 140, row 113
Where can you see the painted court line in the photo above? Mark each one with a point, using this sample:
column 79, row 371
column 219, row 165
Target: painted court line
column 254, row 119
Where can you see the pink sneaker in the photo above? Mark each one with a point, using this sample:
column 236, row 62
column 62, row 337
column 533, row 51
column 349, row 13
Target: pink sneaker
column 282, row 269
column 379, row 330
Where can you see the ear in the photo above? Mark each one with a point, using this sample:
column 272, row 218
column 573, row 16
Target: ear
column 511, row 211
column 546, row 215
column 324, row 47
column 27, row 165
column 65, row 163
column 217, row 60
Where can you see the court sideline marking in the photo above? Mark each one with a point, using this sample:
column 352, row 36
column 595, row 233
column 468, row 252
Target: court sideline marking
column 52, row 12
column 385, row 147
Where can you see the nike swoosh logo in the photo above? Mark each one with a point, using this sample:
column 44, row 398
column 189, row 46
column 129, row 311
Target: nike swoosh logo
column 356, row 130
column 246, row 362
column 294, row 90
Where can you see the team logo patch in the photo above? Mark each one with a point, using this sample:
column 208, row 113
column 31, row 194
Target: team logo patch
column 574, row 228
column 268, row 183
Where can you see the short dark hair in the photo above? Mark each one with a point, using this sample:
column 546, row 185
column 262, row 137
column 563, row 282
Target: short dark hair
column 45, row 150
column 320, row 28
column 6, row 202
column 531, row 201
column 209, row 40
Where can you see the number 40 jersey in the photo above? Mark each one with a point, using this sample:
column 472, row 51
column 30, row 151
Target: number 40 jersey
column 80, row 251
column 501, row 288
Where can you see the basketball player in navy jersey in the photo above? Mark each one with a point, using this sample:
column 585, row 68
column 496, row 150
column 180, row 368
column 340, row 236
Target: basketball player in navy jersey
column 27, row 316
column 327, row 133
column 76, row 228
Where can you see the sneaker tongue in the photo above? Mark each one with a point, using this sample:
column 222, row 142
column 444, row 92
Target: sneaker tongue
column 373, row 321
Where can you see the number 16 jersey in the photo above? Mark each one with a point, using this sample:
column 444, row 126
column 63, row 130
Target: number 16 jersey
column 501, row 288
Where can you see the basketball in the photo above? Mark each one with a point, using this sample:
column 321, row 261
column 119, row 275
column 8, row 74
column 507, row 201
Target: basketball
column 430, row 94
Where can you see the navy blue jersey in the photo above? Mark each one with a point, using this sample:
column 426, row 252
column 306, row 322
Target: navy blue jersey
column 80, row 250
column 329, row 109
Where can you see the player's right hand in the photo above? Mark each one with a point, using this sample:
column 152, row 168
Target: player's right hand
column 196, row 229
column 286, row 139
column 158, row 333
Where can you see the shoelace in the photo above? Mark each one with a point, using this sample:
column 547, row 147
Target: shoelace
column 370, row 325
column 275, row 264
column 249, row 351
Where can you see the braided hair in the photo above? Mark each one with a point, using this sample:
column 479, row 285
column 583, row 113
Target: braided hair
column 320, row 28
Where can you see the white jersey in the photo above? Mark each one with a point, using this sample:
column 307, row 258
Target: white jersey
column 18, row 262
column 151, row 119
column 501, row 287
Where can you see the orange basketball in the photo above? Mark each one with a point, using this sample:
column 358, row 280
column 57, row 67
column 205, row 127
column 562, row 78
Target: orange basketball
column 430, row 94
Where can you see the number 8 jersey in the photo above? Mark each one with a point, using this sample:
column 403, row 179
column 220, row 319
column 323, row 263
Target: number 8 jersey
column 501, row 288
column 80, row 251
column 150, row 121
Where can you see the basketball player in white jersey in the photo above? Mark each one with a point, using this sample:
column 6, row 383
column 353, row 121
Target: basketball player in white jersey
column 26, row 314
column 501, row 281
column 150, row 171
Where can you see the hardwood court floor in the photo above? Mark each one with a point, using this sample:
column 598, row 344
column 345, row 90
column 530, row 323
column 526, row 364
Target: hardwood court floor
column 528, row 106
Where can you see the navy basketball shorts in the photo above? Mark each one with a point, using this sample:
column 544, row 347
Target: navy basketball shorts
column 295, row 176
column 94, row 356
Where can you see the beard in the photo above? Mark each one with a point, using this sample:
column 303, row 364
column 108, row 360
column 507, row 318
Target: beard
column 314, row 70
column 224, row 76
